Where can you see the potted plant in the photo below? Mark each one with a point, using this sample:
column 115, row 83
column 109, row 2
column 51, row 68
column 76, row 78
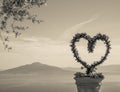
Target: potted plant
column 90, row 80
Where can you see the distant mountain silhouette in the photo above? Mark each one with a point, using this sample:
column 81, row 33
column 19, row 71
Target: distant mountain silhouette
column 35, row 68
column 108, row 69
column 39, row 68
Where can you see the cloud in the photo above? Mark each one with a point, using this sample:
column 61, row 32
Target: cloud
column 69, row 32
column 40, row 40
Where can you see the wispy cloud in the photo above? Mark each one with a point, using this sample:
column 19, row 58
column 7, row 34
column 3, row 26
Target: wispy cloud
column 69, row 32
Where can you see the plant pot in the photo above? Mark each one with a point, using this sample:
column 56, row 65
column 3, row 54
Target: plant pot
column 88, row 84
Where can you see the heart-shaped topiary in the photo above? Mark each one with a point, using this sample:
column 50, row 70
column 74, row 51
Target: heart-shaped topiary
column 91, row 46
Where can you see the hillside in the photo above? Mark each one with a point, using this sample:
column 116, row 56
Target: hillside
column 108, row 69
column 39, row 68
column 35, row 68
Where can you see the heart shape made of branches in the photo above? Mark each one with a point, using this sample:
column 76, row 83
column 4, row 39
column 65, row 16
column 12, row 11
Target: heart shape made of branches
column 91, row 46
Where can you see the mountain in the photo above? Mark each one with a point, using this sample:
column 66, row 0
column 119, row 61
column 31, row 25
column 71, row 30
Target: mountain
column 43, row 69
column 36, row 68
column 108, row 69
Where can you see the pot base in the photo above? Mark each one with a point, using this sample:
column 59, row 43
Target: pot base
column 88, row 84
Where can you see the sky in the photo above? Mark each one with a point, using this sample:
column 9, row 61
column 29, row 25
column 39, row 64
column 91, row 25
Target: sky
column 49, row 41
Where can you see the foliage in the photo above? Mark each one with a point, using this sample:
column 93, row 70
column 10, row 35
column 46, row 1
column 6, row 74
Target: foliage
column 95, row 75
column 91, row 45
column 17, row 11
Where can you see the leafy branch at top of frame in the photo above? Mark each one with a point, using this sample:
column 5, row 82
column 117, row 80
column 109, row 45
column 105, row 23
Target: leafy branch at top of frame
column 18, row 11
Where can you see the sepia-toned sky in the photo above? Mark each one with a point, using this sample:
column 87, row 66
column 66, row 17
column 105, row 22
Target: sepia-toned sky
column 49, row 41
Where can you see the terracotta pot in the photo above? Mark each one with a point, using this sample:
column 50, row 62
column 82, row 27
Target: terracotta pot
column 88, row 84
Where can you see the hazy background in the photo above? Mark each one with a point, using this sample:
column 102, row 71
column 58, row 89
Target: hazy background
column 49, row 41
column 38, row 77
